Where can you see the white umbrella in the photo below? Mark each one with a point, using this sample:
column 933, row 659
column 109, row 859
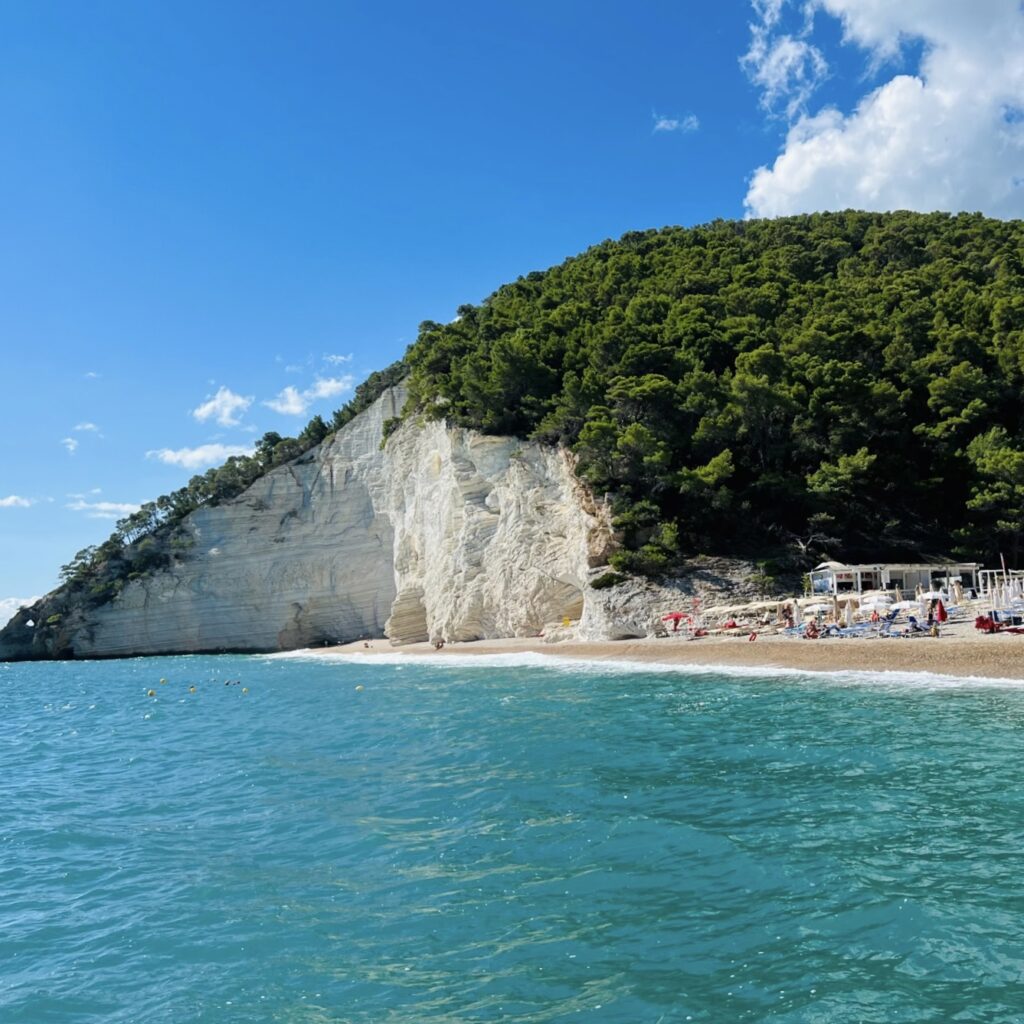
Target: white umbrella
column 820, row 607
column 848, row 614
column 930, row 595
column 903, row 605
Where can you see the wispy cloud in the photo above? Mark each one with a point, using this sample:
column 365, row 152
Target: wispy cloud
column 686, row 123
column 16, row 501
column 292, row 402
column 338, row 360
column 225, row 407
column 92, row 375
column 86, row 428
column 199, row 457
column 9, row 607
column 104, row 509
column 70, row 443
column 784, row 65
column 289, row 402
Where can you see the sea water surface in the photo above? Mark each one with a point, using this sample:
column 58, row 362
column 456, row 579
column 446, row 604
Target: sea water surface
column 459, row 841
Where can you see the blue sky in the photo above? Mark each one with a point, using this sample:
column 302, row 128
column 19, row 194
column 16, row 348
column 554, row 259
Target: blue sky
column 212, row 207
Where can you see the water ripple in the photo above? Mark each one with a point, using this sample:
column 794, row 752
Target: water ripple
column 460, row 842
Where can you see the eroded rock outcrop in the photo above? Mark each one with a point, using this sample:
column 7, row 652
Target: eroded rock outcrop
column 441, row 533
column 634, row 607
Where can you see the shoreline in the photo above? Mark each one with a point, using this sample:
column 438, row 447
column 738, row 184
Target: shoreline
column 957, row 654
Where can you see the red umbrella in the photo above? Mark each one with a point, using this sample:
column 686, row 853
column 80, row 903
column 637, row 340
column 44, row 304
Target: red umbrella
column 941, row 615
column 676, row 618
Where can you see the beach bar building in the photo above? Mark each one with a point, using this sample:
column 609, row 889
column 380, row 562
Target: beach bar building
column 835, row 578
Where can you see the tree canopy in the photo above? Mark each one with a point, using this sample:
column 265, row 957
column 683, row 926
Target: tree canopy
column 843, row 382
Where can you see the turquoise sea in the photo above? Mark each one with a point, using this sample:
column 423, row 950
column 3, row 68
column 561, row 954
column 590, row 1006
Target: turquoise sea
column 505, row 841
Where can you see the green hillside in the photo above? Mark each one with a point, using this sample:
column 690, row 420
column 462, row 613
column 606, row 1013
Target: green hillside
column 845, row 382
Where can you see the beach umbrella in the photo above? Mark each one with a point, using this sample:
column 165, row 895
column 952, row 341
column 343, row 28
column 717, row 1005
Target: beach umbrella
column 904, row 605
column 848, row 615
column 817, row 607
column 940, row 611
column 675, row 618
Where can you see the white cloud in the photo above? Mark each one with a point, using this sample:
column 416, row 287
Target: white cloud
column 292, row 402
column 9, row 607
column 225, row 407
column 103, row 509
column 87, row 428
column 92, row 375
column 687, row 123
column 948, row 137
column 786, row 67
column 16, row 501
column 329, row 387
column 196, row 458
column 338, row 360
column 289, row 402
column 70, row 443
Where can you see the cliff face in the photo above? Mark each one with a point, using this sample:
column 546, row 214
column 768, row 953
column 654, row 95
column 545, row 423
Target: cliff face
column 441, row 533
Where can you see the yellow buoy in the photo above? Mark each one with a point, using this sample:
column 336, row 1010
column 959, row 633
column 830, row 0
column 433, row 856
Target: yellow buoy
column 151, row 693
column 359, row 688
column 191, row 689
column 245, row 689
column 163, row 682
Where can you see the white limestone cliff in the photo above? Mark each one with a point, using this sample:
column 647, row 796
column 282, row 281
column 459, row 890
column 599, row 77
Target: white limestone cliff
column 493, row 536
column 441, row 533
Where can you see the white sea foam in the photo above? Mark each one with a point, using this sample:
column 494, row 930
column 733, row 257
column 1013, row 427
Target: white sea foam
column 616, row 666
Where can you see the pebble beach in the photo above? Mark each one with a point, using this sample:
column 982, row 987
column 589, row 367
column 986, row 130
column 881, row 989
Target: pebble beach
column 960, row 651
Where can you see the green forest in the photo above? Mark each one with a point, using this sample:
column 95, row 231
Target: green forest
column 845, row 383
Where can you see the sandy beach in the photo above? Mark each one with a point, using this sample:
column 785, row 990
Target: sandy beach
column 960, row 651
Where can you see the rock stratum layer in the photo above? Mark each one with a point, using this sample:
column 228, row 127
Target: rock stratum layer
column 440, row 533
